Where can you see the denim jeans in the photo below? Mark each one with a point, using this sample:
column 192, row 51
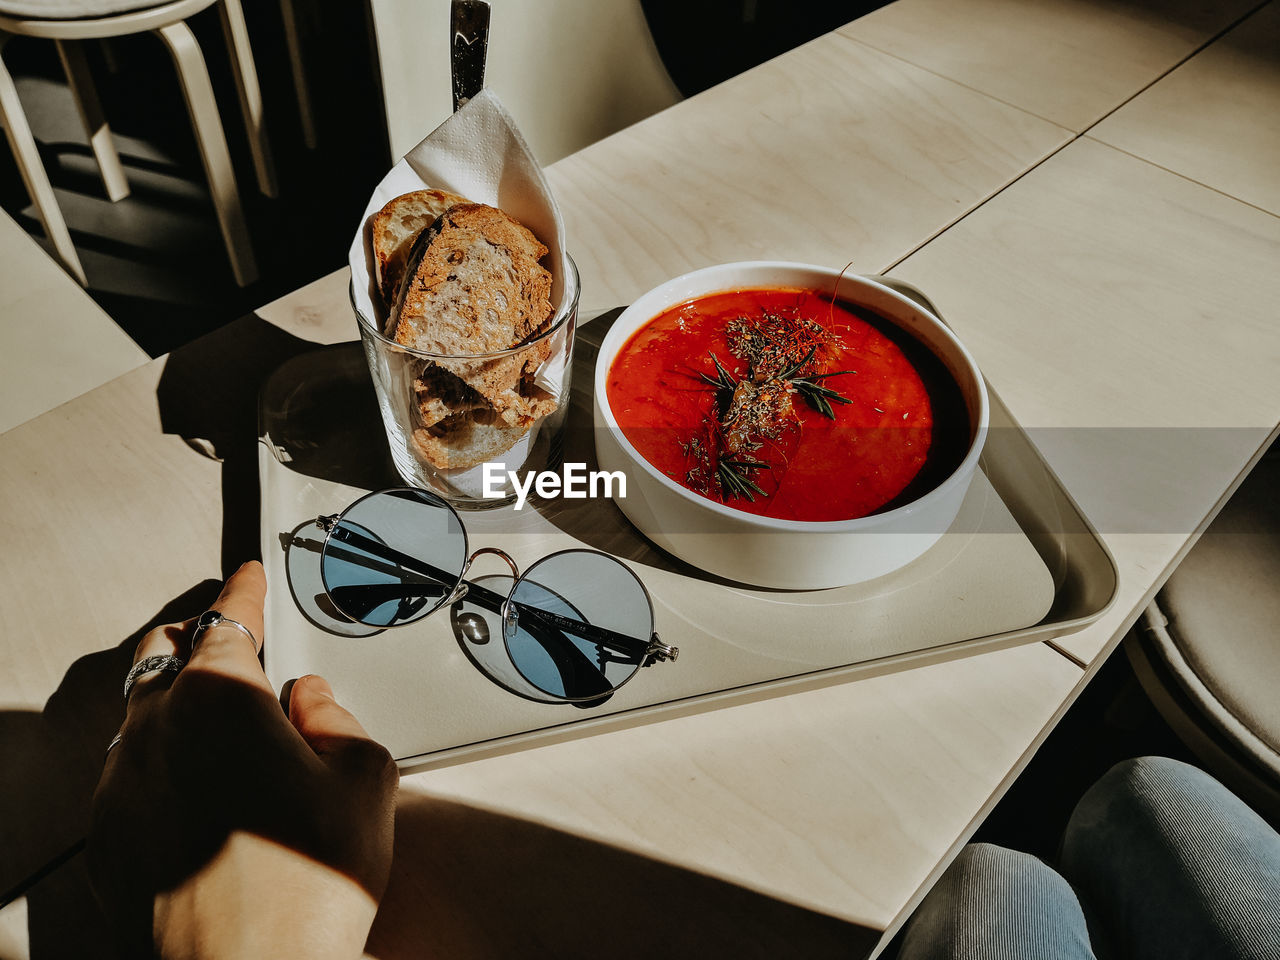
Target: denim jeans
column 1159, row 860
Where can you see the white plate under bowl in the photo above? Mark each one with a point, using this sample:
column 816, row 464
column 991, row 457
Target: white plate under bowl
column 764, row 551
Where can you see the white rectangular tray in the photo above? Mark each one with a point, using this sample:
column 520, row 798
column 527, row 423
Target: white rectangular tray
column 1020, row 564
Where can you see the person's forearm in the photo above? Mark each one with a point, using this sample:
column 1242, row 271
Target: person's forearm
column 256, row 898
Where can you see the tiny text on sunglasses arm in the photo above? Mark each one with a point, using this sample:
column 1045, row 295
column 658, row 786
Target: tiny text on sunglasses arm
column 575, row 482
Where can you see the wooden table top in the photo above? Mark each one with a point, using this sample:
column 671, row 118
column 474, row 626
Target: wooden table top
column 1107, row 299
column 1069, row 61
column 1214, row 119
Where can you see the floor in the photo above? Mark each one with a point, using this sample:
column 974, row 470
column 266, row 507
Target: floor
column 48, row 317
column 155, row 261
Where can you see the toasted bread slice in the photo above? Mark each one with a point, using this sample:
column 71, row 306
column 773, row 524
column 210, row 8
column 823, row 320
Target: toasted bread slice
column 439, row 394
column 466, row 440
column 475, row 286
column 395, row 228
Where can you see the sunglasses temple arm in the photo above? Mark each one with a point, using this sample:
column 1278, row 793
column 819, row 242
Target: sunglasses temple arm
column 481, row 595
column 378, row 593
column 644, row 652
column 619, row 642
column 381, row 592
column 384, row 552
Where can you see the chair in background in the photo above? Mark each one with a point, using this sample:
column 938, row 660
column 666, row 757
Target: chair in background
column 297, row 69
column 1208, row 652
column 570, row 71
column 68, row 21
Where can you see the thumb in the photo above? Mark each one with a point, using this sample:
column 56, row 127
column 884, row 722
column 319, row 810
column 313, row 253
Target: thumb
column 323, row 722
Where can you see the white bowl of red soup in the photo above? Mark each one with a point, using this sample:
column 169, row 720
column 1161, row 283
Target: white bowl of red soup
column 786, row 425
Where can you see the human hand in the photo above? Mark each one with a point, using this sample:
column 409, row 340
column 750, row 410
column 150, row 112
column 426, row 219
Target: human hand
column 224, row 828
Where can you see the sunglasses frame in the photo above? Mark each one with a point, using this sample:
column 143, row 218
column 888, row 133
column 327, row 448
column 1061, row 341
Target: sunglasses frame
column 654, row 650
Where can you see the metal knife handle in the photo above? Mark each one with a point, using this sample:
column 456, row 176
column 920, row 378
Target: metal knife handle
column 469, row 32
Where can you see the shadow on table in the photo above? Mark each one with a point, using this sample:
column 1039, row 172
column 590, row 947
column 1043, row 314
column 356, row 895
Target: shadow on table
column 52, row 761
column 466, row 882
column 208, row 395
column 469, row 884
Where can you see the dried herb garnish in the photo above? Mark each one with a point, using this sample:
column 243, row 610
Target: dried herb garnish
column 814, row 393
column 734, row 481
column 723, row 378
column 701, row 475
column 756, row 408
column 756, row 412
column 773, row 342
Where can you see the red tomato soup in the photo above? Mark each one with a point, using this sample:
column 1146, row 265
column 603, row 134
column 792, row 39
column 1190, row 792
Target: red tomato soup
column 780, row 403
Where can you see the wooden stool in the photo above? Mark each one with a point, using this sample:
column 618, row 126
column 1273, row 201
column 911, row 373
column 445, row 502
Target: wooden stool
column 99, row 19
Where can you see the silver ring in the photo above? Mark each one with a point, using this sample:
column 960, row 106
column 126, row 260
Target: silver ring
column 115, row 742
column 168, row 664
column 214, row 618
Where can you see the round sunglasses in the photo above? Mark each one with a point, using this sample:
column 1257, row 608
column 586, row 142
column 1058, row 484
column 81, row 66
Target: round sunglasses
column 577, row 624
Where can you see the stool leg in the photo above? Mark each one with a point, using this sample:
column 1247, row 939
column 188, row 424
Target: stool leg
column 33, row 175
column 293, row 41
column 95, row 122
column 107, row 46
column 194, row 78
column 246, row 77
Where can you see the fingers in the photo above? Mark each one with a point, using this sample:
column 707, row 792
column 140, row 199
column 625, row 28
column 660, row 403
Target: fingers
column 319, row 717
column 341, row 742
column 169, row 639
column 166, row 640
column 225, row 649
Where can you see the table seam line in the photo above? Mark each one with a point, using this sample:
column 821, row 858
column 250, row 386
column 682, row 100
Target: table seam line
column 1181, row 63
column 1074, row 135
column 1183, row 176
column 1212, row 39
column 959, row 83
column 1053, row 645
column 978, row 206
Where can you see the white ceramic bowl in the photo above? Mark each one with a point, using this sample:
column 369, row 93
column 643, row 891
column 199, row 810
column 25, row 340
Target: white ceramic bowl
column 763, row 551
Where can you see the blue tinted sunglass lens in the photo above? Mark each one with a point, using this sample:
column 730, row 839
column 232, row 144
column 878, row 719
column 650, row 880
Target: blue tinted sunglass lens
column 578, row 625
column 393, row 557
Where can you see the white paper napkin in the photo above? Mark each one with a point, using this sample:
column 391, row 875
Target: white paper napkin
column 477, row 153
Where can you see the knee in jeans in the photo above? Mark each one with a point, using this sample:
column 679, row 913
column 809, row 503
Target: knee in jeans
column 994, row 902
column 1143, row 787
column 1128, row 817
column 1004, row 874
column 1142, row 775
column 992, row 860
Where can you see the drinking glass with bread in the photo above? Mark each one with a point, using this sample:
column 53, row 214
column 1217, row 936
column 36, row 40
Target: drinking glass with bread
column 469, row 359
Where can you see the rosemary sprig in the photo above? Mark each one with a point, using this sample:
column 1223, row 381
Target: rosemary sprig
column 723, row 378
column 818, row 396
column 811, row 389
column 791, row 371
column 734, row 482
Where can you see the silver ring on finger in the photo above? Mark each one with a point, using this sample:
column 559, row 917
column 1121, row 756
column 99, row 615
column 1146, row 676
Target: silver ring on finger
column 214, row 618
column 163, row 664
column 115, row 742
